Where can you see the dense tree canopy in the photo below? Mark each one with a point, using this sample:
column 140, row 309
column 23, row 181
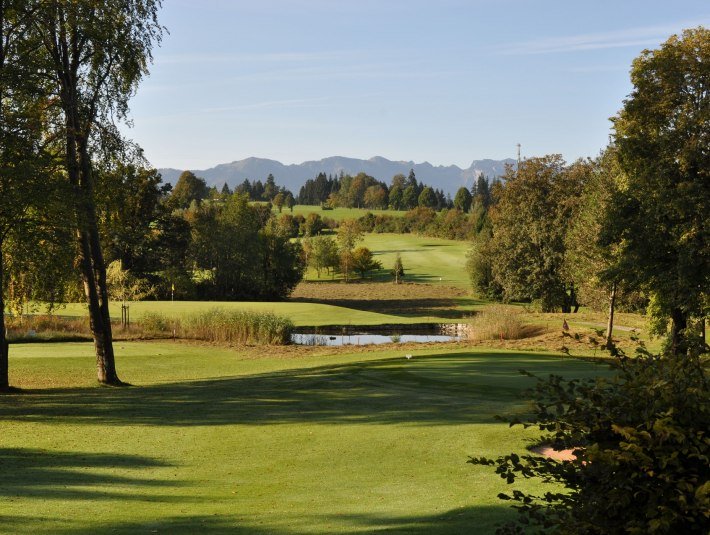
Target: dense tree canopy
column 530, row 222
column 661, row 212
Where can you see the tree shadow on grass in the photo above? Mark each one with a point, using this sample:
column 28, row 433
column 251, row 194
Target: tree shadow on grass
column 433, row 390
column 34, row 473
column 408, row 308
column 474, row 520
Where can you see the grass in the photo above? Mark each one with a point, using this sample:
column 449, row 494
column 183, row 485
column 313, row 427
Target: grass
column 428, row 260
column 215, row 440
column 300, row 313
column 237, row 327
column 500, row 322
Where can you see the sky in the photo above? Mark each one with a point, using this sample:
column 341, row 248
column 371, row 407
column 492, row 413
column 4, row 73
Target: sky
column 443, row 81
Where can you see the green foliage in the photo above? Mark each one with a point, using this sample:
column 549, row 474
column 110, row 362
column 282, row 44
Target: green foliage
column 313, row 225
column 187, row 190
column 641, row 444
column 398, row 269
column 245, row 253
column 530, row 222
column 479, row 265
column 322, row 252
column 463, row 199
column 124, row 286
column 660, row 214
column 364, row 261
column 427, row 199
column 587, row 257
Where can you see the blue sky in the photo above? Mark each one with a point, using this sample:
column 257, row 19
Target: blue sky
column 444, row 81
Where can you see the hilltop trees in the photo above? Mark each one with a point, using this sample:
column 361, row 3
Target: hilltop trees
column 463, row 199
column 188, row 189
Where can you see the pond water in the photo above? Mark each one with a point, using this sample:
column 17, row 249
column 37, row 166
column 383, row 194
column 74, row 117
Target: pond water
column 382, row 335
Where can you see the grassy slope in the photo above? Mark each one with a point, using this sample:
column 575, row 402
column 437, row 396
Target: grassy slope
column 312, row 314
column 213, row 441
column 431, row 260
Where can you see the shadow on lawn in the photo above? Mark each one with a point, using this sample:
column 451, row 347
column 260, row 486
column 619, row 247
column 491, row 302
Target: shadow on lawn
column 422, row 391
column 424, row 307
column 474, row 520
column 35, row 473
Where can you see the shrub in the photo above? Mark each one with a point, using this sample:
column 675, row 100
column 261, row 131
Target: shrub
column 641, row 446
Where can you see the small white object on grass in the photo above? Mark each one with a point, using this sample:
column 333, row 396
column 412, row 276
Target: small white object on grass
column 408, row 357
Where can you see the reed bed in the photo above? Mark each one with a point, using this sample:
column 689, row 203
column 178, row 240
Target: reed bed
column 46, row 327
column 237, row 327
column 216, row 325
column 500, row 322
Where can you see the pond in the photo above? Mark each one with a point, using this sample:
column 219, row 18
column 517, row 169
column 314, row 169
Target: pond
column 383, row 334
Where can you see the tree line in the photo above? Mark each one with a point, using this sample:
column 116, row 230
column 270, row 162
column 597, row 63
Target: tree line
column 364, row 191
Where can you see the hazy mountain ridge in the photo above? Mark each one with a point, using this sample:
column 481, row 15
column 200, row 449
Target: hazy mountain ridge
column 448, row 178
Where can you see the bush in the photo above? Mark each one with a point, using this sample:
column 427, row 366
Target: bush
column 641, row 446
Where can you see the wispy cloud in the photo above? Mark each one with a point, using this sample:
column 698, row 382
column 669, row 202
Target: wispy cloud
column 265, row 57
column 631, row 37
column 315, row 102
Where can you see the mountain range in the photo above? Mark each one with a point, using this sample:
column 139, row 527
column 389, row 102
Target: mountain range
column 447, row 178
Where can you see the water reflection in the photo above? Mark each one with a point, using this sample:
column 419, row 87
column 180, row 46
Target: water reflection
column 361, row 339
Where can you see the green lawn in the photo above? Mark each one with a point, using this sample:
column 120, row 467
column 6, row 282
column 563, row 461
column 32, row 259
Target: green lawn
column 212, row 441
column 310, row 314
column 431, row 260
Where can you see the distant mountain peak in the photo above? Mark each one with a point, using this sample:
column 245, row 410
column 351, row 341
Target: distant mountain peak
column 445, row 177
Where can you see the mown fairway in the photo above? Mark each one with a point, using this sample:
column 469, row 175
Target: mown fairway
column 431, row 260
column 213, row 440
column 311, row 314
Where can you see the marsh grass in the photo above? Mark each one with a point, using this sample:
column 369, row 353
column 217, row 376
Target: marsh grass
column 46, row 327
column 500, row 322
column 214, row 325
column 237, row 327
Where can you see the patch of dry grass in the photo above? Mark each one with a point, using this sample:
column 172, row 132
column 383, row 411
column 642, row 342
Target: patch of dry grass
column 500, row 322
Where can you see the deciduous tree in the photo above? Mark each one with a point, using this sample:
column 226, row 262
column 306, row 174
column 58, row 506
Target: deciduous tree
column 95, row 54
column 660, row 216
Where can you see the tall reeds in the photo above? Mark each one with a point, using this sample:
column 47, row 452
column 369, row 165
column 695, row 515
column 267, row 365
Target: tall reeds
column 500, row 322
